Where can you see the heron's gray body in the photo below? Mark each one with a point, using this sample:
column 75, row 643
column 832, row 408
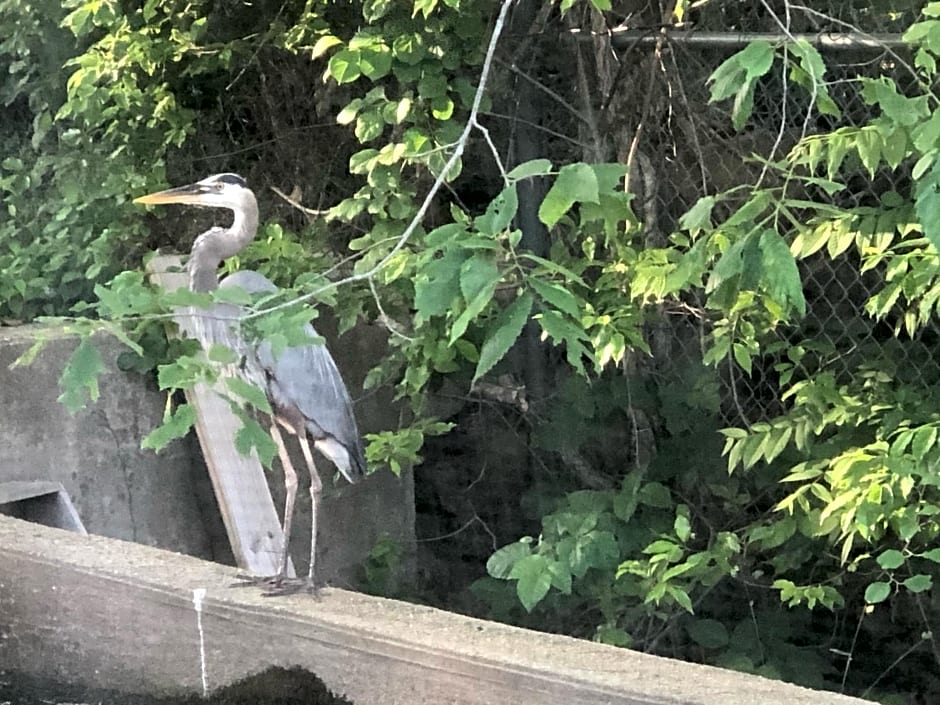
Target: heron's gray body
column 301, row 380
column 302, row 384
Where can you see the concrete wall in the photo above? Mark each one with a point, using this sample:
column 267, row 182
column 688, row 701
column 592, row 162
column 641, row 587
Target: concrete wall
column 165, row 499
column 104, row 614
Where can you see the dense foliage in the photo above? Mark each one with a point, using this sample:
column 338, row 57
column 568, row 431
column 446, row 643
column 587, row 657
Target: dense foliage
column 800, row 543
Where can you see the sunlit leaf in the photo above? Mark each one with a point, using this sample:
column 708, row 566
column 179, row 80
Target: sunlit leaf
column 344, row 66
column 576, row 183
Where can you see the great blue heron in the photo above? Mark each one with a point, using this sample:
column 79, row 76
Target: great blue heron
column 303, row 386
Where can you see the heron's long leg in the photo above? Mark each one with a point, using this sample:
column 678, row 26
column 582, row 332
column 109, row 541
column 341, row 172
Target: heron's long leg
column 316, row 486
column 290, row 493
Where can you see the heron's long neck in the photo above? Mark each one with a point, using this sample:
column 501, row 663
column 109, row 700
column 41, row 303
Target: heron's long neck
column 218, row 244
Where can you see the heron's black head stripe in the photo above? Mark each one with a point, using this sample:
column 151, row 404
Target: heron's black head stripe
column 232, row 179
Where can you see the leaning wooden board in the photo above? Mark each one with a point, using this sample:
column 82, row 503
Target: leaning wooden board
column 240, row 485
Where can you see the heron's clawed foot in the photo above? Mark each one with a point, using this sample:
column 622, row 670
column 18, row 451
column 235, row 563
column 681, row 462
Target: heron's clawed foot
column 277, row 585
column 292, row 586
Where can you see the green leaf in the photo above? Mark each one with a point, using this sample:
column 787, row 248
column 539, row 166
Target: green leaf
column 375, row 63
column 432, row 85
column 923, row 441
column 478, row 274
column 561, row 329
column 478, row 279
column 927, row 203
column 742, row 356
column 503, row 333
column 891, row 559
column 918, row 583
column 248, row 392
column 877, row 592
column 576, row 183
column 323, row 45
column 932, row 555
column 251, row 436
column 683, row 527
column 743, row 105
column 811, row 61
column 182, row 373
column 756, row 58
column 29, row 356
column 535, row 578
column 557, row 295
column 175, row 425
column 80, row 376
column 232, row 295
column 444, row 235
column 500, row 212
column 708, row 633
column 699, row 217
column 344, row 66
column 442, row 108
column 655, row 494
column 869, row 145
column 739, row 71
column 425, row 7
column 221, row 354
column 369, row 125
column 534, row 167
column 780, row 273
column 681, row 597
column 500, row 564
column 614, row 636
column 561, row 576
column 437, row 284
column 731, row 263
column 554, row 267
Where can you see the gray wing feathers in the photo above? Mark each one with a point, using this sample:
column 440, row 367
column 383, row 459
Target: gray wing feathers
column 304, row 377
column 307, row 377
column 252, row 282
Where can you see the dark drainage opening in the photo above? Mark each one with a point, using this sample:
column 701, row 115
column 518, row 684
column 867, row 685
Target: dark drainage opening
column 275, row 686
column 40, row 502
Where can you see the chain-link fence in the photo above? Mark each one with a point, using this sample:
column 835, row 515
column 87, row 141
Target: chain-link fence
column 647, row 93
column 688, row 148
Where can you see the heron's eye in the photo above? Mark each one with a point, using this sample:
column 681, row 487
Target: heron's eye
column 219, row 186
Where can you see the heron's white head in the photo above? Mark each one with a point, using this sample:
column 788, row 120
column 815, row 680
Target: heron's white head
column 216, row 191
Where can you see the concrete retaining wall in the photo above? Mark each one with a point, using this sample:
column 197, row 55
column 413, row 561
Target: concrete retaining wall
column 165, row 499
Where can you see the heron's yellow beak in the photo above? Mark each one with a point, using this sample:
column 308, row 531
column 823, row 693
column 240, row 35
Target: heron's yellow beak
column 194, row 194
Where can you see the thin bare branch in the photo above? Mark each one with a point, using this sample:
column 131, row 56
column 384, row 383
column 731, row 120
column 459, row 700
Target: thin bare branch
column 299, row 206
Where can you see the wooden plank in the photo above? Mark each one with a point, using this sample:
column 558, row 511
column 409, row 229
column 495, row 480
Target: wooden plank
column 107, row 613
column 240, row 485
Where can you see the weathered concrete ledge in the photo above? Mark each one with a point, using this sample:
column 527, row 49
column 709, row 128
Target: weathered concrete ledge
column 118, row 615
